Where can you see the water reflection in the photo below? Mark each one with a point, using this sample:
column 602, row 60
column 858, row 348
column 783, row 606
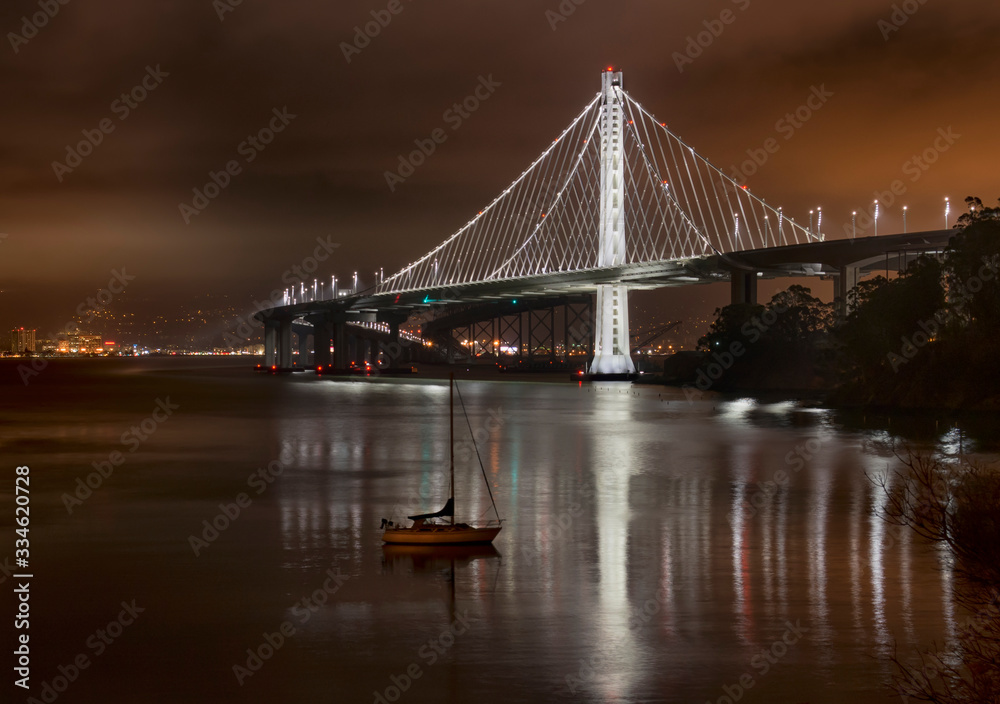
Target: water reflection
column 821, row 474
column 742, row 474
column 410, row 559
column 650, row 538
column 878, row 542
column 638, row 533
column 975, row 432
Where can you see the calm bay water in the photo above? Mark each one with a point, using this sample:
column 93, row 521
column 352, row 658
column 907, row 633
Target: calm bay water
column 653, row 549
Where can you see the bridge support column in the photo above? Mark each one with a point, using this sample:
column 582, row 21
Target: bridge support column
column 270, row 342
column 341, row 354
column 396, row 350
column 847, row 279
column 743, row 286
column 303, row 359
column 392, row 349
column 612, row 353
column 285, row 343
column 321, row 341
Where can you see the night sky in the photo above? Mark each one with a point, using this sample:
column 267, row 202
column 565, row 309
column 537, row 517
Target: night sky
column 212, row 82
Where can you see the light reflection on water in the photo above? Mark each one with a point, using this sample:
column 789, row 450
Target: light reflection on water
column 652, row 531
column 638, row 540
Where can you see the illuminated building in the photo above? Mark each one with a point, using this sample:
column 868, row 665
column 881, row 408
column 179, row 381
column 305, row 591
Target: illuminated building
column 89, row 344
column 81, row 343
column 22, row 341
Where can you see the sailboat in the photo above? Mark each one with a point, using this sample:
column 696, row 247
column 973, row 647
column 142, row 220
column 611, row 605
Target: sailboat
column 428, row 531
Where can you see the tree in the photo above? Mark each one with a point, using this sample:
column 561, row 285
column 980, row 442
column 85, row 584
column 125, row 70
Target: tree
column 729, row 325
column 973, row 266
column 777, row 343
column 801, row 317
column 956, row 506
column 878, row 337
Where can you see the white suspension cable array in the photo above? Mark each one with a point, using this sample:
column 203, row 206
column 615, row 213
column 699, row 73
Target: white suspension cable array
column 678, row 205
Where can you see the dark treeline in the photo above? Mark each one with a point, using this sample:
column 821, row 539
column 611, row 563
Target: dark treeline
column 927, row 339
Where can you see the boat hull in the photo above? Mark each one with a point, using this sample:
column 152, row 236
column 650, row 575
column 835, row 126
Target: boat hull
column 440, row 535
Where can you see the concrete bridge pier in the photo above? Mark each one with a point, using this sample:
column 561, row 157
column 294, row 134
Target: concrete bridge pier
column 284, row 343
column 303, row 344
column 321, row 340
column 352, row 348
column 341, row 353
column 845, row 281
column 743, row 286
column 270, row 342
column 393, row 351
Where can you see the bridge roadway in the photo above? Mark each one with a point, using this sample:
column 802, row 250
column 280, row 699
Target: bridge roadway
column 845, row 260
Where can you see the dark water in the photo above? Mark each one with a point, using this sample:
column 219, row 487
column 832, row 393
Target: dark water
column 645, row 555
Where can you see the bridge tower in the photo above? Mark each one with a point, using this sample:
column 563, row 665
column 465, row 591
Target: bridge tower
column 611, row 348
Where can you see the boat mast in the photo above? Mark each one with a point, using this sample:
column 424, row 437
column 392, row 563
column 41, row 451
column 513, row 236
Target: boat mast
column 478, row 456
column 451, row 437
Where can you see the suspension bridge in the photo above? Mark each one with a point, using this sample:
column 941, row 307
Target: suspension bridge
column 617, row 202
